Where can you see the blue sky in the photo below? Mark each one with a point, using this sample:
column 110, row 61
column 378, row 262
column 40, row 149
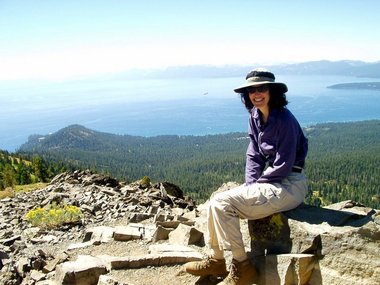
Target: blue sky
column 48, row 39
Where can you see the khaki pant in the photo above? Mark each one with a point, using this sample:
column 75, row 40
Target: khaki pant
column 250, row 202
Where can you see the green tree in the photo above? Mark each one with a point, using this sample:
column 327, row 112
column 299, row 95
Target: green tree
column 9, row 176
column 39, row 168
column 23, row 174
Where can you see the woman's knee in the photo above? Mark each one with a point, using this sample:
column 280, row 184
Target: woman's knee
column 215, row 203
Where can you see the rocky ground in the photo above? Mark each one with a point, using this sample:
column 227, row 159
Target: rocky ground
column 166, row 274
column 25, row 250
column 144, row 232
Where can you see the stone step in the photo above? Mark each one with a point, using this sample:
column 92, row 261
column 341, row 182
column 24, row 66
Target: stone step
column 87, row 269
column 300, row 269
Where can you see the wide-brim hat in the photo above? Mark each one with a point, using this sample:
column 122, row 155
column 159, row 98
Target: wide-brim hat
column 258, row 77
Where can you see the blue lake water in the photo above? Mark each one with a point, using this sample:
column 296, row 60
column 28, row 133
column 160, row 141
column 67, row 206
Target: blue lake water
column 149, row 107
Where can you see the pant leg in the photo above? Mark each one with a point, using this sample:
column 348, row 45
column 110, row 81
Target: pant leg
column 251, row 202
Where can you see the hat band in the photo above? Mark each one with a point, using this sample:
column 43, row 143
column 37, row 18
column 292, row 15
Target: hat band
column 259, row 79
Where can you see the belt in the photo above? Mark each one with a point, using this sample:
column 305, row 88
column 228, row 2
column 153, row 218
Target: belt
column 297, row 169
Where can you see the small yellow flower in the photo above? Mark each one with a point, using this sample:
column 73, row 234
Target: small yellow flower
column 54, row 216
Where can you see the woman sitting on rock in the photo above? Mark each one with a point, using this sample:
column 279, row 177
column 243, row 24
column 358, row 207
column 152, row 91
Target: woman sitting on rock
column 274, row 178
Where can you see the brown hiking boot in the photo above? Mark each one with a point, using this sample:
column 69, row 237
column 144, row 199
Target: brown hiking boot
column 241, row 273
column 209, row 266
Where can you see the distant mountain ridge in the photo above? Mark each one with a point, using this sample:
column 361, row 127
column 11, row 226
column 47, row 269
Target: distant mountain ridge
column 77, row 137
column 357, row 85
column 325, row 67
column 321, row 67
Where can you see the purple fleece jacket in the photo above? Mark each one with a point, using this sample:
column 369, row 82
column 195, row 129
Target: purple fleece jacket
column 279, row 143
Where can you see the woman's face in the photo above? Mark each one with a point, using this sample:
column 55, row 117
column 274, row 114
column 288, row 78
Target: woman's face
column 259, row 96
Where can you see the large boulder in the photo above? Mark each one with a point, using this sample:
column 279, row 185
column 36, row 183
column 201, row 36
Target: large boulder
column 339, row 244
column 344, row 238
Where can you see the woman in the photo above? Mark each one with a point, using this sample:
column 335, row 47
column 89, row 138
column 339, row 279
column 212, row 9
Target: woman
column 274, row 179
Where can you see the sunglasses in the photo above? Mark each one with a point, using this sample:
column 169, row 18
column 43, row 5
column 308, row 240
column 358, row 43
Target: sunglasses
column 260, row 89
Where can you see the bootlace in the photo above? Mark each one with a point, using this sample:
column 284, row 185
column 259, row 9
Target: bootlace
column 205, row 263
column 234, row 273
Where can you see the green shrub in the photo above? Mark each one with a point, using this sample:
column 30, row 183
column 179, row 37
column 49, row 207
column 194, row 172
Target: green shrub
column 145, row 182
column 54, row 216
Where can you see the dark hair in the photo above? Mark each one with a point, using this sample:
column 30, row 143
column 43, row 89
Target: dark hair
column 277, row 99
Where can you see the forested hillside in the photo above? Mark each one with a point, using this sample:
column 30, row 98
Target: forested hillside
column 25, row 169
column 342, row 162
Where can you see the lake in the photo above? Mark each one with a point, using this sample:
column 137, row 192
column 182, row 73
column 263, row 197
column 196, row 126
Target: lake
column 150, row 107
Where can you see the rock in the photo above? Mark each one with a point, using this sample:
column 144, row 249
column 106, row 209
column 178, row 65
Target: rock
column 270, row 235
column 139, row 217
column 84, row 271
column 3, row 257
column 23, row 265
column 344, row 242
column 99, row 235
column 335, row 245
column 174, row 224
column 163, row 258
column 192, row 215
column 102, row 200
column 18, row 246
column 171, row 189
column 161, row 233
column 101, row 180
column 127, row 233
column 80, row 245
column 51, row 264
column 37, row 275
column 107, row 280
column 287, row 269
column 10, row 241
column 178, row 249
column 186, row 235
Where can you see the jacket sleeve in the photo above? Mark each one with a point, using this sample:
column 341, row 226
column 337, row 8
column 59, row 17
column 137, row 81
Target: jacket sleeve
column 255, row 162
column 286, row 149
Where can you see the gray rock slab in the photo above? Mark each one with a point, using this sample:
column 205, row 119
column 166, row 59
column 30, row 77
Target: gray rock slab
column 151, row 259
column 101, row 234
column 287, row 269
column 125, row 233
column 186, row 235
column 84, row 271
